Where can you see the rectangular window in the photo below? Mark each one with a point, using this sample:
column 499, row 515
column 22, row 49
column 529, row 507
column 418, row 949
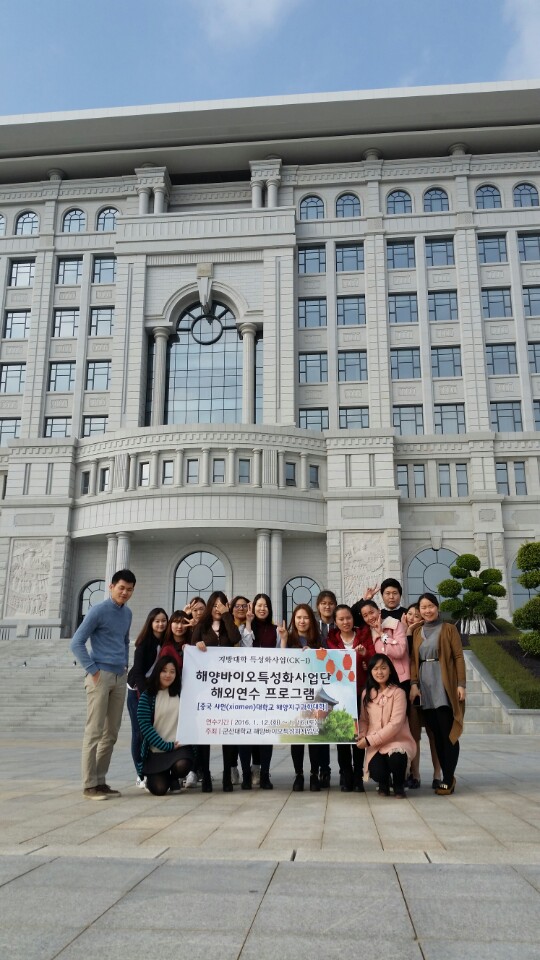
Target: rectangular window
column 506, row 416
column 104, row 270
column 17, row 324
column 531, row 301
column 351, row 311
column 218, row 470
column 402, row 479
column 167, row 473
column 98, row 375
column 400, row 254
column 353, row 418
column 408, row 420
column 312, row 260
column 419, row 477
column 21, row 273
column 57, row 426
column 520, row 478
column 492, row 249
column 61, row 377
column 104, row 479
column 445, row 486
column 446, row 361
column 26, row 479
column 12, row 377
column 462, row 480
column 449, row 417
column 349, row 257
column 144, row 473
column 94, row 426
column 312, row 312
column 244, row 471
column 443, row 305
column 536, row 411
column 101, row 321
column 85, row 483
column 192, row 471
column 69, row 271
column 65, row 323
column 529, row 246
column 496, row 303
column 352, row 365
column 313, row 476
column 534, row 357
column 402, row 308
column 501, row 474
column 313, row 418
column 405, row 364
column 9, row 429
column 49, row 480
column 501, row 358
column 312, row 367
column 440, row 252
column 290, row 474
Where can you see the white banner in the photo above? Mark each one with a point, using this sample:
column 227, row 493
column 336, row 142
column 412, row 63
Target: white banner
column 245, row 695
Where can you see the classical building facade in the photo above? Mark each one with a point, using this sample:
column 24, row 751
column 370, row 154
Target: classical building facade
column 267, row 346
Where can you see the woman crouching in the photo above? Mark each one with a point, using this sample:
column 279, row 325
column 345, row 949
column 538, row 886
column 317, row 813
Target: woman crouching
column 164, row 761
column 383, row 730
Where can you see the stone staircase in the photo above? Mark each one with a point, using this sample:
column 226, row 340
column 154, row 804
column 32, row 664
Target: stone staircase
column 484, row 712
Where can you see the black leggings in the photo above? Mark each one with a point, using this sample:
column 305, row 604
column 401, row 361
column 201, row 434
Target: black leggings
column 159, row 783
column 297, row 754
column 384, row 765
column 440, row 722
column 350, row 759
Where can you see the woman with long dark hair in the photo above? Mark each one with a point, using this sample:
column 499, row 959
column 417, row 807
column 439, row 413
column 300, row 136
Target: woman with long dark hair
column 265, row 635
column 164, row 761
column 384, row 730
column 147, row 649
column 177, row 635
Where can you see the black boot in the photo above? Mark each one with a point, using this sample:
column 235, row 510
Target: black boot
column 265, row 783
column 347, row 785
column 314, row 784
column 358, row 783
column 227, row 782
column 206, row 782
column 246, row 781
column 324, row 778
column 298, row 784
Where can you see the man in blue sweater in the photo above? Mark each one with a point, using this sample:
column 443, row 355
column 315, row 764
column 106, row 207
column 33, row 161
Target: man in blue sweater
column 107, row 627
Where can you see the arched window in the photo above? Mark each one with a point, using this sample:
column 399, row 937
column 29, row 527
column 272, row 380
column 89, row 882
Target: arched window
column 197, row 575
column 520, row 595
column 398, row 201
column 74, row 221
column 525, row 195
column 106, row 221
column 299, row 590
column 204, row 368
column 348, row 205
column 311, row 208
column 27, row 224
column 435, row 201
column 488, row 197
column 92, row 593
column 426, row 570
column 2, row 224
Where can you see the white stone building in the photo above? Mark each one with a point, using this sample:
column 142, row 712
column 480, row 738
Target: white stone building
column 272, row 344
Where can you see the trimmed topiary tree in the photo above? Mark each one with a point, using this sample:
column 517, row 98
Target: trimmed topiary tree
column 528, row 616
column 471, row 598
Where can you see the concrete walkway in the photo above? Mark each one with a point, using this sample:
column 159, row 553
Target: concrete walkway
column 255, row 875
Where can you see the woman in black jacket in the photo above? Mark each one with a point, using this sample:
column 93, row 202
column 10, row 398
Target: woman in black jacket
column 147, row 647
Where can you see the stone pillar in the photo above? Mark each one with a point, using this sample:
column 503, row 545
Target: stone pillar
column 154, row 465
column 179, row 468
column 304, row 480
column 161, row 337
column 122, row 552
column 257, row 194
column 248, row 331
column 144, row 200
column 92, row 479
column 205, row 463
column 231, row 452
column 263, row 561
column 132, row 482
column 159, row 200
column 280, row 468
column 272, row 186
column 276, row 552
column 257, row 467
column 110, row 566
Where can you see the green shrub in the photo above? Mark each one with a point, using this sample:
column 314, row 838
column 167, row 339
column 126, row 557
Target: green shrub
column 474, row 584
column 528, row 616
column 449, row 588
column 530, row 643
column 490, row 575
column 477, row 601
column 514, row 679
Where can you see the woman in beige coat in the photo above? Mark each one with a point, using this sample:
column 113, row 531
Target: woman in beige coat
column 438, row 677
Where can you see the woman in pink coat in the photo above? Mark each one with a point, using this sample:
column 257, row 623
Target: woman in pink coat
column 389, row 637
column 383, row 730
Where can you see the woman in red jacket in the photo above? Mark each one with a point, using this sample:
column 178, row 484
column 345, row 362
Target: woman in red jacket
column 345, row 636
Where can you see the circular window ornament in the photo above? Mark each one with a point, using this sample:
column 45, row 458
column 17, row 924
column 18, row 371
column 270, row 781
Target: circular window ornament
column 206, row 329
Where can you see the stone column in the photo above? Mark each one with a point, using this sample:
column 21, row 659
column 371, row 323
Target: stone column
column 248, row 331
column 281, row 468
column 92, row 478
column 159, row 199
column 144, row 200
column 263, row 561
column 257, row 194
column 304, row 481
column 132, row 482
column 154, row 465
column 179, row 468
column 231, row 453
column 205, row 463
column 122, row 552
column 272, row 186
column 257, row 467
column 161, row 337
column 276, row 553
column 110, row 566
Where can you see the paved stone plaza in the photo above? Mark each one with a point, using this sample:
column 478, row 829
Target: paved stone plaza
column 256, row 874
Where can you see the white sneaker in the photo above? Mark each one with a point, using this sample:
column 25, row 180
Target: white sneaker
column 191, row 780
column 235, row 776
column 141, row 783
column 255, row 774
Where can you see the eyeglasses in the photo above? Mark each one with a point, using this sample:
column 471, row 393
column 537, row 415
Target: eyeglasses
column 240, row 606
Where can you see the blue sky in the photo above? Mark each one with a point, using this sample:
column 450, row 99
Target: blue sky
column 75, row 54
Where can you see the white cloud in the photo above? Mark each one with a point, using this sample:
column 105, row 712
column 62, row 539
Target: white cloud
column 237, row 21
column 523, row 58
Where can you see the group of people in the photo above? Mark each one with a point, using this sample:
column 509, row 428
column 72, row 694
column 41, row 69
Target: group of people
column 410, row 672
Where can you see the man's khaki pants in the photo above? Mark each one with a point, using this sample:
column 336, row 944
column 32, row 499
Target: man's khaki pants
column 104, row 705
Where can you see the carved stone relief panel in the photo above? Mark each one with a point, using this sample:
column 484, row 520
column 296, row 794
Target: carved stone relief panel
column 364, row 562
column 29, row 578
